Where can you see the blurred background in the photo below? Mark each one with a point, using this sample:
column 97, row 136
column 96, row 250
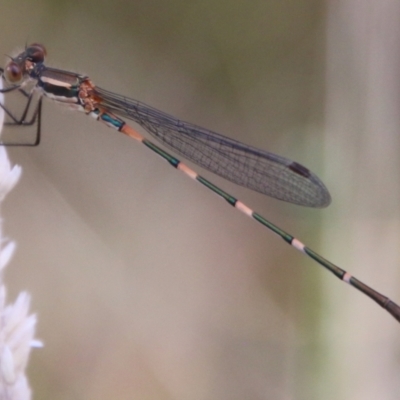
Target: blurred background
column 145, row 284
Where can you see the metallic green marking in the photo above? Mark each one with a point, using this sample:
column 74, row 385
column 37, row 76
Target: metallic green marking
column 172, row 160
column 230, row 199
column 285, row 236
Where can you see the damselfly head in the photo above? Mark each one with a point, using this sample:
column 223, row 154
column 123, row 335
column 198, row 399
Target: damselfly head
column 20, row 66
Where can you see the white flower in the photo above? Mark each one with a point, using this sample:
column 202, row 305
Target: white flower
column 17, row 327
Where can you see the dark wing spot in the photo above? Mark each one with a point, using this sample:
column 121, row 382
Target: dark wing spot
column 299, row 169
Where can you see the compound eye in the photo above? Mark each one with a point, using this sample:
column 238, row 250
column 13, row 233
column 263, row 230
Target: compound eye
column 13, row 72
column 36, row 53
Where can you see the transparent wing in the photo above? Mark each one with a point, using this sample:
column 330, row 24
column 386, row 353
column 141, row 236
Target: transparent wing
column 244, row 165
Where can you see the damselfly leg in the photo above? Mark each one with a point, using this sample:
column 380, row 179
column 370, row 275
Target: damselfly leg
column 27, row 118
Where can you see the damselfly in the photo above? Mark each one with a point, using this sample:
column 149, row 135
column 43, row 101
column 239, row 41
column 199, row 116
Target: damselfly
column 244, row 165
